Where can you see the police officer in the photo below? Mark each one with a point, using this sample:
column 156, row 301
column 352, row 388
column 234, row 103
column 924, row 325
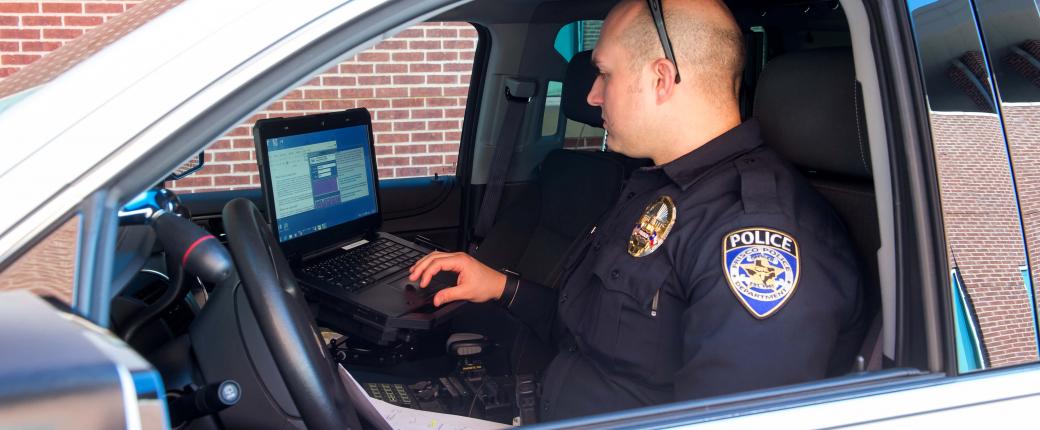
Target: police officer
column 718, row 270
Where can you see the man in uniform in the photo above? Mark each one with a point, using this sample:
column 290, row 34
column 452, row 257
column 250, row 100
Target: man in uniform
column 718, row 270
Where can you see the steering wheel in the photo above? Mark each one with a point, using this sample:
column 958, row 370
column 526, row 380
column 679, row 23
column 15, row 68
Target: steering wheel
column 285, row 321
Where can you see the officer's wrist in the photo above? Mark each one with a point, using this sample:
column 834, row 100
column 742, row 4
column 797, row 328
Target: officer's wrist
column 510, row 289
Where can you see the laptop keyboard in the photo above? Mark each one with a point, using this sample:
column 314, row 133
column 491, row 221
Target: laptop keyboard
column 364, row 265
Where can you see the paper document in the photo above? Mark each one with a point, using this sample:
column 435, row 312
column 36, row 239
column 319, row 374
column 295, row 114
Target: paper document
column 387, row 416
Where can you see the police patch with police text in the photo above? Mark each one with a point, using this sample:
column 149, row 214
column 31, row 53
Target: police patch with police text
column 761, row 267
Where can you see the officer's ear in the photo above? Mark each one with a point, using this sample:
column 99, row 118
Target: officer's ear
column 664, row 79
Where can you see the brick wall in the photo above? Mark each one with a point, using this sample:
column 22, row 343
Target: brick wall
column 982, row 230
column 415, row 84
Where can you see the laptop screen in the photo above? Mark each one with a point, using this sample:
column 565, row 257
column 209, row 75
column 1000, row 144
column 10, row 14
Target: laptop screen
column 320, row 180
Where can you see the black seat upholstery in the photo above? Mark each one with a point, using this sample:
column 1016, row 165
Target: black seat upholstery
column 533, row 233
column 810, row 110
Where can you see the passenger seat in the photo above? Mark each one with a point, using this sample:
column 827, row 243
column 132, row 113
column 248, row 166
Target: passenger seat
column 810, row 109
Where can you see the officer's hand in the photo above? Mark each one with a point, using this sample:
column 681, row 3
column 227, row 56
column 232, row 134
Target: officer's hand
column 477, row 282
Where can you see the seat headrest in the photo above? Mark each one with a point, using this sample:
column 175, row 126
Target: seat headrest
column 576, row 85
column 810, row 111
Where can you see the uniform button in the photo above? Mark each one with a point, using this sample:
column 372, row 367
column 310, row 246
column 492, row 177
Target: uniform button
column 563, row 298
column 614, row 274
column 749, row 161
column 630, row 195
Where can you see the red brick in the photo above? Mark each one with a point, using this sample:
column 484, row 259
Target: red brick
column 409, row 125
column 409, row 79
column 194, row 181
column 385, row 173
column 7, row 71
column 425, row 92
column 424, row 68
column 410, row 149
column 13, row 47
column 338, row 104
column 441, row 102
column 231, row 156
column 16, row 60
column 427, row 113
column 60, row 33
column 18, row 7
column 339, row 80
column 391, row 92
column 374, row 56
column 401, row 103
column 356, row 93
column 445, row 147
column 392, row 161
column 103, row 8
column 424, row 44
column 392, row 138
column 404, row 172
column 355, row 68
column 443, row 125
column 456, row 91
column 380, row 127
column 242, row 143
column 374, row 103
column 392, row 114
column 381, row 147
column 391, row 44
column 458, row 67
column 373, row 80
column 13, row 33
column 454, row 113
column 219, row 145
column 408, row 56
column 459, row 44
column 466, row 55
column 10, row 21
column 225, row 180
column 320, row 94
column 427, row 159
column 276, row 106
column 83, row 21
column 455, row 136
column 246, row 168
column 442, row 170
column 62, row 8
column 215, row 169
column 303, row 105
column 39, row 21
column 442, row 32
column 469, row 33
column 427, row 137
column 442, row 56
column 40, row 46
column 391, row 68
column 442, row 79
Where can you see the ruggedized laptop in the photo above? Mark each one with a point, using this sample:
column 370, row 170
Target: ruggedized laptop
column 318, row 178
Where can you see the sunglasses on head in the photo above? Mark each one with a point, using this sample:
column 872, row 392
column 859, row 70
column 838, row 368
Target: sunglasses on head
column 662, row 33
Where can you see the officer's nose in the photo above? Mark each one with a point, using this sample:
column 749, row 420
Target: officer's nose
column 595, row 97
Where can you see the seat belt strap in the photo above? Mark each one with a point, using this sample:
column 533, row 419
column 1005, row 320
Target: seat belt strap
column 518, row 95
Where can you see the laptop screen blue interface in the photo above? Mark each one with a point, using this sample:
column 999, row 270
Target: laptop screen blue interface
column 320, row 180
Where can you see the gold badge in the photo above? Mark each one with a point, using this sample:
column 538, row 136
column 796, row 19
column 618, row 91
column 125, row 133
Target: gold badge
column 653, row 227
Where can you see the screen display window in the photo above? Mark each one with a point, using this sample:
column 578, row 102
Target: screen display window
column 320, row 180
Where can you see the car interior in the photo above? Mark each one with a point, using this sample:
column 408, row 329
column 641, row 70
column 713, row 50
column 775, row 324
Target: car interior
column 240, row 314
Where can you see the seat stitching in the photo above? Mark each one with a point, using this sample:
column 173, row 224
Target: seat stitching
column 859, row 137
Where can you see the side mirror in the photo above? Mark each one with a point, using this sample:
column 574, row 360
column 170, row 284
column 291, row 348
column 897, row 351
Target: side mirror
column 188, row 168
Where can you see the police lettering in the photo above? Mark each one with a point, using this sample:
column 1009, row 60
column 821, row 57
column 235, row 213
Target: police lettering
column 761, row 237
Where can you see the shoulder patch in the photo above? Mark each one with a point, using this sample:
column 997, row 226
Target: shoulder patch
column 761, row 266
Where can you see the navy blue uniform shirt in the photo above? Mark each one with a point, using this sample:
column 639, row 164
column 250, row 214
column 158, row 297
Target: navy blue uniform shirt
column 755, row 285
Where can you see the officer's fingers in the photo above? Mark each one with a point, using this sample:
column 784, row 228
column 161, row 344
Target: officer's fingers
column 452, row 262
column 449, row 295
column 417, row 268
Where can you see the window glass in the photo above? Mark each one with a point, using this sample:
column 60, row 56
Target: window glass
column 1012, row 37
column 571, row 39
column 976, row 187
column 48, row 268
column 415, row 85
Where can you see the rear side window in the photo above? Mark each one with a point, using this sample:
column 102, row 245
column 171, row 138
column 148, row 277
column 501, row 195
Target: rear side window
column 571, row 39
column 415, row 84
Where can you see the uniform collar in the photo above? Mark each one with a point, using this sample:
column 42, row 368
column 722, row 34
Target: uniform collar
column 686, row 170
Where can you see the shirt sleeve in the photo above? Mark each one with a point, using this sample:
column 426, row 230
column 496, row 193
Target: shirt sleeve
column 728, row 348
column 535, row 305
